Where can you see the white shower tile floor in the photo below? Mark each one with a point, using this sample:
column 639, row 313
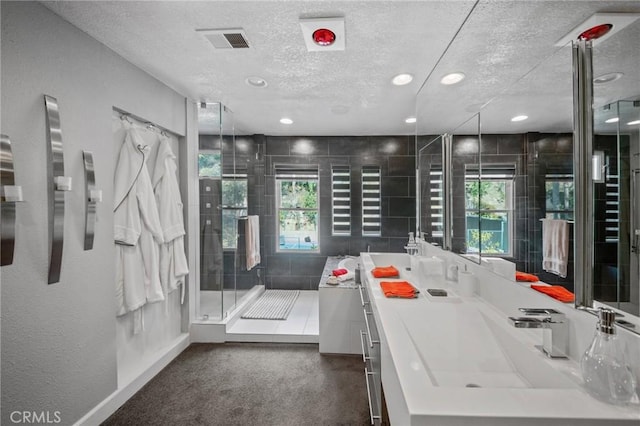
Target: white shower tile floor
column 301, row 326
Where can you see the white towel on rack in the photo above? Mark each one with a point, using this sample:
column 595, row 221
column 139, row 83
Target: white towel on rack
column 555, row 246
column 252, row 239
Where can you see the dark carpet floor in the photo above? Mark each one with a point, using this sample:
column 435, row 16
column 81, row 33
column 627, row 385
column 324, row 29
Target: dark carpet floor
column 251, row 384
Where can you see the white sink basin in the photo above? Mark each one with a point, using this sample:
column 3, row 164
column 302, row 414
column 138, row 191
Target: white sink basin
column 348, row 263
column 481, row 353
column 458, row 360
column 399, row 260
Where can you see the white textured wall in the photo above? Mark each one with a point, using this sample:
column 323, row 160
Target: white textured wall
column 59, row 341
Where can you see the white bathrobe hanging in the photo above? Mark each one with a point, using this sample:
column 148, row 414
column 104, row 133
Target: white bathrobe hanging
column 173, row 262
column 137, row 230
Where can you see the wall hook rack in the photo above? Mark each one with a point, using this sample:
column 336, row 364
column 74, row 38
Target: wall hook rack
column 58, row 185
column 10, row 194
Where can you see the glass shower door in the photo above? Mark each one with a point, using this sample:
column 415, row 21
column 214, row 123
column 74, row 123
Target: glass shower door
column 210, row 306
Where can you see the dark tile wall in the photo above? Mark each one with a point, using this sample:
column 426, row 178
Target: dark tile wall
column 226, row 268
column 533, row 155
column 611, row 265
column 430, row 150
column 396, row 157
column 546, row 153
column 211, row 255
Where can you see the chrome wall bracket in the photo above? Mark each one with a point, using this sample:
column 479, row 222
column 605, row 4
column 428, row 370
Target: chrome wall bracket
column 447, row 171
column 58, row 184
column 583, row 186
column 9, row 195
column 92, row 197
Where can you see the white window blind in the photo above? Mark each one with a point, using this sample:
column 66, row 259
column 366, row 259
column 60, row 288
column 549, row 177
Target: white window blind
column 340, row 200
column 371, row 201
column 436, row 202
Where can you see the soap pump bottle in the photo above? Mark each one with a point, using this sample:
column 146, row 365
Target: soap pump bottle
column 606, row 373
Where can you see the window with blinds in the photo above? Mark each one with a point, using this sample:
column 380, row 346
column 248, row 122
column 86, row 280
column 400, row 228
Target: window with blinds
column 436, row 201
column 297, row 206
column 489, row 199
column 234, row 205
column 371, row 201
column 340, row 200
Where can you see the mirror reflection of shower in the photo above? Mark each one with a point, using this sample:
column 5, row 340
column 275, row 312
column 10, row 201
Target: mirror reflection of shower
column 617, row 206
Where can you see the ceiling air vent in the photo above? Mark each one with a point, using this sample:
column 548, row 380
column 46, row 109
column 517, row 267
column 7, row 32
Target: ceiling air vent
column 233, row 38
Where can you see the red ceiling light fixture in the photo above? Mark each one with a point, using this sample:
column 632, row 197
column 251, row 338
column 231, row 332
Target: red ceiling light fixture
column 595, row 32
column 598, row 28
column 323, row 34
column 324, row 37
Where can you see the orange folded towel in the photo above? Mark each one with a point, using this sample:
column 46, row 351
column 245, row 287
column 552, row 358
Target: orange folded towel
column 556, row 291
column 523, row 276
column 398, row 289
column 385, row 272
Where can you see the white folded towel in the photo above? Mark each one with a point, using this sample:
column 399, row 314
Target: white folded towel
column 252, row 239
column 555, row 246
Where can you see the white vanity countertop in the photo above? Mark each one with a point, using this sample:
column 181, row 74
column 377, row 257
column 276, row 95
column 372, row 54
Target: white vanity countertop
column 438, row 346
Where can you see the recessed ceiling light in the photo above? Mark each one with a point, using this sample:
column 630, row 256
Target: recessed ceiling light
column 633, row 123
column 256, row 81
column 402, row 79
column 410, row 120
column 612, row 120
column 607, row 78
column 452, row 78
column 519, row 118
column 286, row 120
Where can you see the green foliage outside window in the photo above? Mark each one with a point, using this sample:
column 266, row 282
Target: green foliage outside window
column 488, row 244
column 488, row 205
column 234, row 205
column 301, row 194
column 298, row 214
column 209, row 164
column 486, row 195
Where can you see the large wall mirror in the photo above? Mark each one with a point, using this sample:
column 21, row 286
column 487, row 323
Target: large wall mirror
column 510, row 177
column 527, row 169
column 616, row 200
column 616, row 145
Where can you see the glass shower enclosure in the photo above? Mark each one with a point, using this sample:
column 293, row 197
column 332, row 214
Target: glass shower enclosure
column 617, row 205
column 223, row 198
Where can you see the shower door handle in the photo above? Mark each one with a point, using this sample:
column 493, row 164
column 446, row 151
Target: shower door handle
column 636, row 241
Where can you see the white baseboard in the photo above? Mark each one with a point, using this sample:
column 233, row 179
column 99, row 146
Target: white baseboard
column 109, row 405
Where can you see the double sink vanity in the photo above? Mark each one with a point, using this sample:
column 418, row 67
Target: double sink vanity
column 459, row 360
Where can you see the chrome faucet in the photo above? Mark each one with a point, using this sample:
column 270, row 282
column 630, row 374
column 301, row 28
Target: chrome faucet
column 555, row 333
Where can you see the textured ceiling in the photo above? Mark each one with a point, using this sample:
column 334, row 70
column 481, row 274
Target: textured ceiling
column 349, row 92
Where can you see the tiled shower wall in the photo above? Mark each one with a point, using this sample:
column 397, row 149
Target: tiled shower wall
column 396, row 157
column 533, row 155
column 546, row 153
column 257, row 155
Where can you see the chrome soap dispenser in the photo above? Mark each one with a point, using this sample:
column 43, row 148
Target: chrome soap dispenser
column 605, row 370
